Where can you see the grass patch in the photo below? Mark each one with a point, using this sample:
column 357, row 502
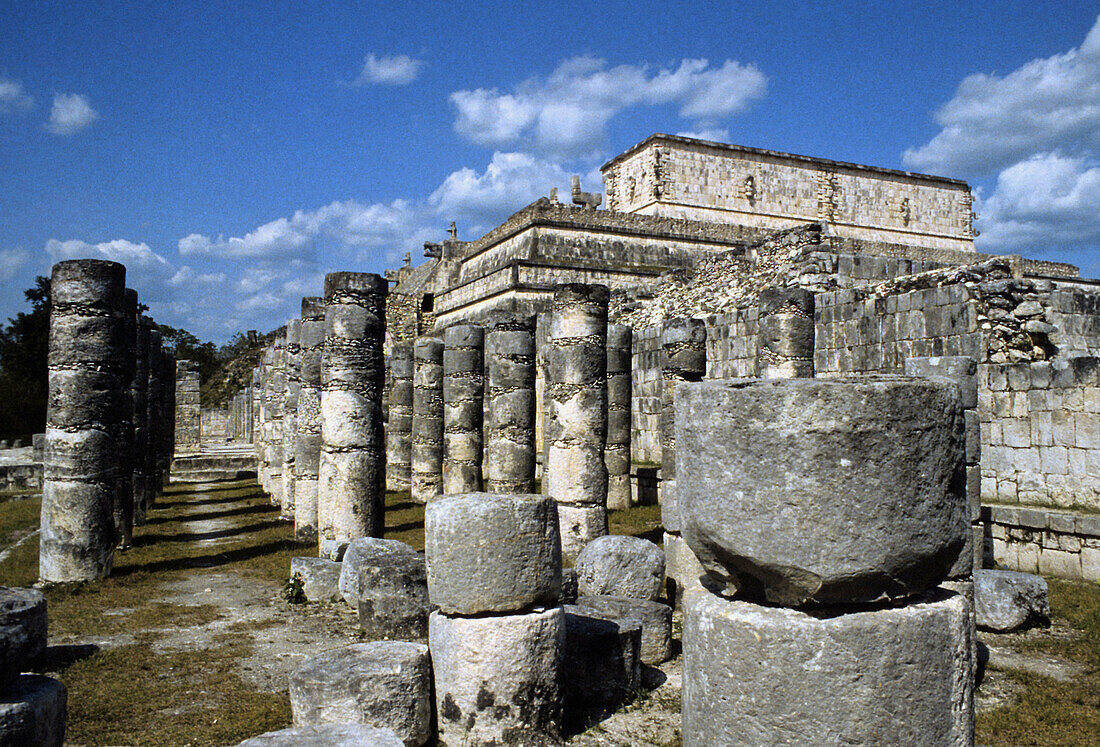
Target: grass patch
column 18, row 519
column 1049, row 712
column 639, row 521
column 404, row 520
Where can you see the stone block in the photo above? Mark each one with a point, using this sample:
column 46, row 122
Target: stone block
column 655, row 619
column 328, row 735
column 33, row 711
column 497, row 677
column 960, row 369
column 1059, row 563
column 568, row 585
column 383, row 683
column 601, row 666
column 579, row 524
column 819, row 458
column 898, row 675
column 492, row 553
column 367, row 551
column 621, row 566
column 22, row 631
column 320, row 578
column 332, row 549
column 393, row 596
column 1007, row 601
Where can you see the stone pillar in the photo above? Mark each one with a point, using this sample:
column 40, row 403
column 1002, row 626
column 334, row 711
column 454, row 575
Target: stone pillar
column 498, row 634
column 785, row 337
column 188, row 435
column 167, row 432
column 290, row 413
column 87, row 371
column 157, row 415
column 399, row 425
column 275, row 418
column 307, row 444
column 259, row 414
column 427, row 419
column 124, row 501
column 351, row 487
column 510, row 414
column 140, row 394
column 616, row 455
column 576, row 428
column 463, row 407
column 835, row 496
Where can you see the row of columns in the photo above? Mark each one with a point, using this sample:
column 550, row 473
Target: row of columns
column 110, row 429
column 239, row 418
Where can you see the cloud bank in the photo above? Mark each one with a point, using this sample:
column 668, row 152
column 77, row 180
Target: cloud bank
column 71, row 113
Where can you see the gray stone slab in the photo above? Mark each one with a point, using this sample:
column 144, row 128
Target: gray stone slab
column 859, row 480
column 364, row 552
column 22, row 631
column 320, row 578
column 1006, row 601
column 393, row 597
column 385, row 684
column 328, row 735
column 771, row 675
column 33, row 711
column 621, row 566
column 655, row 619
column 601, row 667
column 492, row 553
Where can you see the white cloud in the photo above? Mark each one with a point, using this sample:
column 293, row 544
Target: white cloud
column 718, row 135
column 1049, row 104
column 70, row 114
column 390, row 70
column 11, row 262
column 186, row 276
column 566, row 113
column 119, row 250
column 1046, row 202
column 12, row 96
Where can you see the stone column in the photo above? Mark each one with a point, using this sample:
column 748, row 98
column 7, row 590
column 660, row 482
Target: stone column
column 275, row 418
column 307, row 444
column 399, row 425
column 785, row 337
column 259, row 415
column 84, row 415
column 683, row 359
column 290, row 413
column 576, row 429
column 167, row 432
column 617, row 450
column 140, row 394
column 427, row 419
column 124, row 502
column 351, row 488
column 188, row 435
column 510, row 427
column 463, row 406
column 839, row 496
column 157, row 416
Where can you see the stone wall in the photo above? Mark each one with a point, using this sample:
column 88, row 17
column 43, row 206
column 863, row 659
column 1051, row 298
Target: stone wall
column 1040, row 540
column 1041, row 433
column 214, row 423
column 188, row 427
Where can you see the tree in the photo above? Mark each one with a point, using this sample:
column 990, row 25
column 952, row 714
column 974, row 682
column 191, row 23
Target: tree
column 24, row 344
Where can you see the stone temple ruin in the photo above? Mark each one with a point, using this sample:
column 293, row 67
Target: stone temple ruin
column 844, row 410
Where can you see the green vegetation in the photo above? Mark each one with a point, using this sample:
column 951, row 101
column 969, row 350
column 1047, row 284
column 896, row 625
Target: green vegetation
column 23, row 344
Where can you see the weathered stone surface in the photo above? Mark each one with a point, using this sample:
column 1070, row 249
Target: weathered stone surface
column 492, row 553
column 22, row 631
column 654, row 618
column 393, row 596
column 1005, row 601
column 785, row 340
column 332, row 549
column 578, row 526
column 683, row 358
column 399, row 424
column 960, row 369
column 601, row 666
column 33, row 710
column 351, row 481
column 385, row 684
column 861, row 481
column 568, row 585
column 510, row 411
column 362, row 552
column 616, row 454
column 291, row 388
column 621, row 566
column 88, row 369
column 681, row 566
column 770, row 675
column 497, row 677
column 328, row 735
column 427, row 419
column 463, row 407
column 320, row 578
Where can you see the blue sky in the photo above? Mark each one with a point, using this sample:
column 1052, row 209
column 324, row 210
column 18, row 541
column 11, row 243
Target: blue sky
column 231, row 155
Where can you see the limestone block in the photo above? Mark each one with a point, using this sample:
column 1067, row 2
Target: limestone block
column 320, row 578
column 962, row 370
column 578, row 525
column 621, row 566
column 670, row 507
column 492, row 553
column 393, row 596
column 361, row 553
column 681, row 565
column 861, row 481
column 22, row 631
column 332, row 549
column 33, row 710
column 383, row 683
column 1006, row 601
column 655, row 619
column 772, row 675
column 569, row 585
column 601, row 666
column 497, row 677
column 328, row 735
